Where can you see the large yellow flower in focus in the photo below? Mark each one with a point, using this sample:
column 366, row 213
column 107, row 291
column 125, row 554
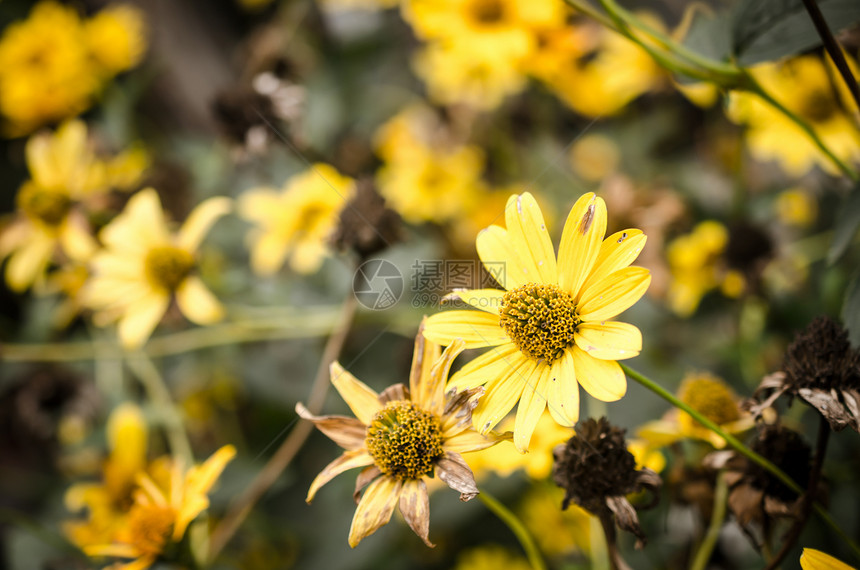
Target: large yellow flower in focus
column 144, row 264
column 803, row 85
column 550, row 329
column 296, row 221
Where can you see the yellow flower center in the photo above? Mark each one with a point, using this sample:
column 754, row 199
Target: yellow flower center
column 48, row 206
column 167, row 266
column 149, row 527
column 487, row 11
column 404, row 440
column 540, row 319
column 818, row 106
column 710, row 397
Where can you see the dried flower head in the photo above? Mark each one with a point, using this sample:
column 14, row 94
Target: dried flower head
column 597, row 472
column 367, row 226
column 821, row 368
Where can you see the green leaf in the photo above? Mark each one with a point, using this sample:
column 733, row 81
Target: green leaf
column 851, row 309
column 847, row 223
column 709, row 34
column 764, row 30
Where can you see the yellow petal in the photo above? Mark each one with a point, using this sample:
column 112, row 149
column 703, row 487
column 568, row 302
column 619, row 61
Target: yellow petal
column 201, row 220
column 469, row 440
column 432, row 393
column 375, row 508
column 477, row 328
column 495, row 363
column 580, row 242
column 812, row 559
column 494, row 249
column 529, row 239
column 415, row 507
column 562, row 391
column 137, row 324
column 258, row 205
column 659, row 433
column 198, row 303
column 610, row 340
column 616, row 252
column 76, row 239
column 127, row 437
column 424, row 353
column 140, row 226
column 55, row 159
column 363, row 401
column 489, row 300
column 198, row 483
column 531, row 407
column 348, row 460
column 268, row 252
column 349, row 433
column 503, row 392
column 603, row 379
column 614, row 294
column 27, row 264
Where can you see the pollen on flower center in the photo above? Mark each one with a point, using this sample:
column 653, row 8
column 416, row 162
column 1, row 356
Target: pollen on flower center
column 540, row 319
column 49, row 206
column 404, row 440
column 711, row 398
column 150, row 526
column 167, row 266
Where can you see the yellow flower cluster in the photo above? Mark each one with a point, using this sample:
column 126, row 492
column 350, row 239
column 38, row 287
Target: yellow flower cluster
column 478, row 52
column 55, row 63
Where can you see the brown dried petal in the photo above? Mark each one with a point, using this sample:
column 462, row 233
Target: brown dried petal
column 415, row 507
column 779, row 509
column 625, row 517
column 852, row 402
column 461, row 404
column 649, row 480
column 745, row 502
column 349, row 433
column 454, row 471
column 367, row 475
column 395, row 393
column 827, row 402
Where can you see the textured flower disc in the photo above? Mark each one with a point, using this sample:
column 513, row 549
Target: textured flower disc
column 404, row 440
column 711, row 398
column 149, row 528
column 540, row 319
column 167, row 266
column 49, row 206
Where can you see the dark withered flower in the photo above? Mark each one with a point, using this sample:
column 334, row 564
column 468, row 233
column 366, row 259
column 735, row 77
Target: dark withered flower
column 820, row 368
column 598, row 472
column 366, row 225
column 756, row 495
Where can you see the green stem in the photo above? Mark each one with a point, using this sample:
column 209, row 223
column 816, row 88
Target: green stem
column 738, row 446
column 703, row 554
column 517, row 527
column 160, row 398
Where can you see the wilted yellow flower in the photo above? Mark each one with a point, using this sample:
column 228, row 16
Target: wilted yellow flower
column 401, row 438
column 53, row 64
column 694, row 263
column 296, row 221
column 166, row 501
column 549, row 331
column 711, row 397
column 803, row 85
column 144, row 264
column 812, row 559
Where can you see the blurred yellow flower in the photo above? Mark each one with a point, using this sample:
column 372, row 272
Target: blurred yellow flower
column 694, row 263
column 796, row 207
column 812, row 559
column 296, row 221
column 144, row 264
column 550, row 330
column 166, row 501
column 53, row 64
column 558, row 532
column 803, row 85
column 490, row 557
column 710, row 396
column 594, row 157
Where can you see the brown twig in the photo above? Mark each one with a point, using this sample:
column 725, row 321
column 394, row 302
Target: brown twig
column 808, row 498
column 608, row 524
column 832, row 47
column 241, row 507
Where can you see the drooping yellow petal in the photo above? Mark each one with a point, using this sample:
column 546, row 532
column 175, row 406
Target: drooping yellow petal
column 433, row 392
column 503, row 391
column 198, row 482
column 348, row 460
column 530, row 239
column 562, row 391
column 610, row 340
column 27, row 264
column 197, row 302
column 469, row 440
column 375, row 508
column 616, row 252
column 477, row 328
column 424, row 354
column 363, row 401
column 201, row 220
column 415, row 507
column 812, row 559
column 614, row 294
column 603, row 379
column 531, row 406
column 496, row 362
column 497, row 255
column 580, row 242
column 137, row 324
column 349, row 433
column 489, row 300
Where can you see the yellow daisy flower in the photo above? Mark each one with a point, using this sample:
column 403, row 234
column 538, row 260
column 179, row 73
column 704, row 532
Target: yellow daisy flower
column 401, row 437
column 165, row 503
column 296, row 221
column 708, row 395
column 143, row 265
column 116, row 37
column 812, row 559
column 695, row 260
column 550, row 328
